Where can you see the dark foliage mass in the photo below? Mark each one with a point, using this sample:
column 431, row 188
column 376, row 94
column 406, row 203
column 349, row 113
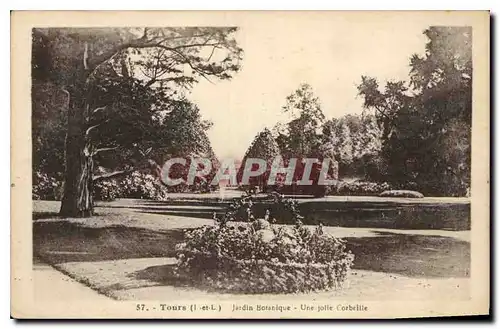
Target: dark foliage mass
column 426, row 124
column 411, row 135
column 109, row 101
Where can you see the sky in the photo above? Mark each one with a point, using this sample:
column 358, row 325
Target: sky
column 330, row 55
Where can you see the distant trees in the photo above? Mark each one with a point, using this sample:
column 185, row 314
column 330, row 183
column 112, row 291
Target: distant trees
column 263, row 147
column 299, row 138
column 355, row 142
column 302, row 139
column 302, row 135
column 352, row 141
column 427, row 123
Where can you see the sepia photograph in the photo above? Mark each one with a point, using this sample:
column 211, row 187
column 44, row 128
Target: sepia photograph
column 250, row 164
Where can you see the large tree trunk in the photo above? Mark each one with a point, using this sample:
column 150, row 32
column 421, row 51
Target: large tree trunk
column 77, row 200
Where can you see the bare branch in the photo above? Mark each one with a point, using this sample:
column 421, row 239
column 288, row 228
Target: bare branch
column 94, row 63
column 99, row 109
column 148, row 164
column 86, row 56
column 196, row 45
column 211, row 54
column 188, row 62
column 145, row 74
column 137, row 43
column 68, row 97
column 113, row 174
column 89, row 129
column 150, row 82
column 103, row 149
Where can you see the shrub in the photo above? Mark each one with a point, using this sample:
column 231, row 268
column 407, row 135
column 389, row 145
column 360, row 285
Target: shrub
column 142, row 186
column 359, row 188
column 106, row 190
column 197, row 187
column 257, row 256
column 46, row 187
column 280, row 210
column 402, row 194
column 135, row 186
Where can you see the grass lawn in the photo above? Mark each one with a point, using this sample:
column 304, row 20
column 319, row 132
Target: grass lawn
column 126, row 253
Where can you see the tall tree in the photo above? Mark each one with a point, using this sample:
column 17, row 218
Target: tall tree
column 307, row 117
column 263, row 147
column 184, row 135
column 156, row 58
column 443, row 79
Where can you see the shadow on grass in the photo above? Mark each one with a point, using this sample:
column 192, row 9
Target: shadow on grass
column 408, row 255
column 411, row 255
column 45, row 215
column 62, row 241
column 354, row 214
column 164, row 275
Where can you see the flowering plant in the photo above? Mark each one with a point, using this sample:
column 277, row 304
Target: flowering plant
column 360, row 188
column 137, row 185
column 46, row 187
column 256, row 256
column 142, row 186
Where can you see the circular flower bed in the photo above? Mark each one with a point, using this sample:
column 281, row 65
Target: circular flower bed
column 260, row 257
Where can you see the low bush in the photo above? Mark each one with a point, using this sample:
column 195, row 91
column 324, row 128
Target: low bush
column 355, row 188
column 142, row 186
column 106, row 190
column 314, row 190
column 401, row 194
column 197, row 187
column 247, row 209
column 257, row 256
column 359, row 188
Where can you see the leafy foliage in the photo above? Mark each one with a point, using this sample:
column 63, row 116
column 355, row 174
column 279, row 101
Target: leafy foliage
column 162, row 53
column 302, row 138
column 137, row 185
column 263, row 147
column 301, row 135
column 279, row 210
column 124, row 89
column 107, row 190
column 48, row 128
column 353, row 141
column 259, row 257
column 360, row 188
column 142, row 186
column 46, row 187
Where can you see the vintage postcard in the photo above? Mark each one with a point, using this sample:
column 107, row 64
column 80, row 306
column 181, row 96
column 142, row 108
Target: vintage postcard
column 250, row 164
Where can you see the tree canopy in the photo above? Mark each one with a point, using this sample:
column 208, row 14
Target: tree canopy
column 120, row 87
column 263, row 147
column 427, row 122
